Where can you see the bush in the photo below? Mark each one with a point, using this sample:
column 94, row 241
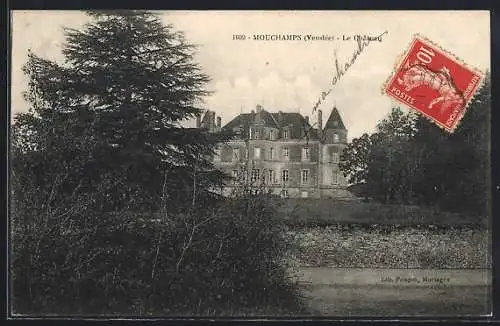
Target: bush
column 379, row 246
column 204, row 262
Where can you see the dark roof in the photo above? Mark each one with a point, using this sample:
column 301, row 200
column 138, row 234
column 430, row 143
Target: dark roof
column 298, row 124
column 248, row 118
column 334, row 121
column 275, row 120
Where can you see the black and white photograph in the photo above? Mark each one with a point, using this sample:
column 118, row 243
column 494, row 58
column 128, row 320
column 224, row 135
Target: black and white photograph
column 249, row 164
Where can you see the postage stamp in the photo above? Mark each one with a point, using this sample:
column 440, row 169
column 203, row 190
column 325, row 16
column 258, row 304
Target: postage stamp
column 434, row 82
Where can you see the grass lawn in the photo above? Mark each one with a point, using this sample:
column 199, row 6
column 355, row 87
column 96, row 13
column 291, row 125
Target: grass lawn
column 373, row 301
column 324, row 212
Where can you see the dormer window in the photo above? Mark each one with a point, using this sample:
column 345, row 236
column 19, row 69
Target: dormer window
column 253, row 134
column 285, row 134
column 335, row 138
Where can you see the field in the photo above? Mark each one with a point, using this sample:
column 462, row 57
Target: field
column 359, row 301
column 324, row 212
column 362, row 292
column 334, row 236
column 356, row 246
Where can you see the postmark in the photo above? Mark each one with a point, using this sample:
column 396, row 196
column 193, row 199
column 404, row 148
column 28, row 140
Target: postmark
column 434, row 82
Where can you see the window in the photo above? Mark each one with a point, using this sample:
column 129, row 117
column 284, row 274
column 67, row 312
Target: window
column 256, row 152
column 305, row 154
column 335, row 178
column 335, row 138
column 272, row 134
column 237, row 130
column 236, row 154
column 271, row 154
column 304, row 194
column 285, row 134
column 272, row 176
column 246, row 153
column 235, row 174
column 255, row 175
column 304, row 176
column 251, row 133
column 285, row 152
column 284, row 193
column 284, row 175
column 335, row 157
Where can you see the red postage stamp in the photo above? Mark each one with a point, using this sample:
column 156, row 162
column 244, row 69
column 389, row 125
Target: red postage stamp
column 434, row 82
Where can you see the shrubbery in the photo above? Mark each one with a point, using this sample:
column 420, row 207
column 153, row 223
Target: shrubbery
column 216, row 261
column 114, row 208
column 379, row 246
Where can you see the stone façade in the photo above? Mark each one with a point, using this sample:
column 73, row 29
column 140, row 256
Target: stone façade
column 283, row 151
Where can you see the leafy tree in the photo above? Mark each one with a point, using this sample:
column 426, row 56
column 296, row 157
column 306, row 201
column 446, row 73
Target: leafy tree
column 410, row 159
column 380, row 160
column 354, row 160
column 99, row 150
column 102, row 135
column 397, row 124
column 455, row 173
column 107, row 119
column 391, row 167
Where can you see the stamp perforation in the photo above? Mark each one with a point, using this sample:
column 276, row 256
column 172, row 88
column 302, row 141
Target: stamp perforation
column 403, row 57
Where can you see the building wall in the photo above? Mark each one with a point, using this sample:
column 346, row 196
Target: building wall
column 330, row 166
column 328, row 136
column 295, row 164
column 320, row 166
column 324, row 176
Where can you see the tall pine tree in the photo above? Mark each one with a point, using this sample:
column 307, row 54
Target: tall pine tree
column 106, row 121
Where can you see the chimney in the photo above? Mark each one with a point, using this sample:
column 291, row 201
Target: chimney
column 198, row 120
column 213, row 120
column 320, row 124
column 219, row 122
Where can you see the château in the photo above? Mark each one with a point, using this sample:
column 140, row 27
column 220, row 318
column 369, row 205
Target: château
column 283, row 151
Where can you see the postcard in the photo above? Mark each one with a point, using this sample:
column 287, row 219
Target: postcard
column 250, row 164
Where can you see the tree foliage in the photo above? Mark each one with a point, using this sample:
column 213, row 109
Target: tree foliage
column 456, row 168
column 379, row 159
column 107, row 119
column 354, row 161
column 409, row 159
column 113, row 208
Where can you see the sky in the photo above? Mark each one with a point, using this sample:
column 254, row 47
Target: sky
column 286, row 75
